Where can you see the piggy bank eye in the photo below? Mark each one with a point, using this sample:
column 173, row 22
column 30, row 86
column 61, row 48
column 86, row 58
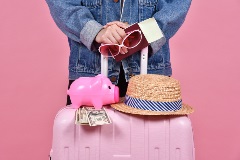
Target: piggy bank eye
column 109, row 87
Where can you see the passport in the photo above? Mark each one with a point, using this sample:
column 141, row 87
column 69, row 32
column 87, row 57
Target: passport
column 150, row 32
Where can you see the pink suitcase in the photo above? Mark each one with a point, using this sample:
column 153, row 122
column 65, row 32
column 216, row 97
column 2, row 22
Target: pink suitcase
column 128, row 137
column 132, row 137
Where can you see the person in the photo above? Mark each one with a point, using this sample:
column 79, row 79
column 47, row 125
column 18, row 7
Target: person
column 89, row 23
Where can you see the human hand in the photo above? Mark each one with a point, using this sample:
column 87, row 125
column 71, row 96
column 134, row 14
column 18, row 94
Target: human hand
column 118, row 23
column 112, row 34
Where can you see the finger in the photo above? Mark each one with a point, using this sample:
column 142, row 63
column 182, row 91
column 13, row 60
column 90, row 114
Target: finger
column 117, row 38
column 122, row 25
column 114, row 33
column 123, row 50
column 117, row 33
column 108, row 36
column 112, row 39
column 107, row 41
column 113, row 27
column 121, row 32
column 119, row 24
column 109, row 24
column 106, row 25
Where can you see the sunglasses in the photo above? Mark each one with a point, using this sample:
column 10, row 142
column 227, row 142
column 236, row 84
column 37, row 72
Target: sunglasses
column 131, row 40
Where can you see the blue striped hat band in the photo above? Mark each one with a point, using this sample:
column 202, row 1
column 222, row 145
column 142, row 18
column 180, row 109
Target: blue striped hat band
column 152, row 105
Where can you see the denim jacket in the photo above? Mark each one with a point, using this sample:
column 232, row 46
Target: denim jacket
column 81, row 20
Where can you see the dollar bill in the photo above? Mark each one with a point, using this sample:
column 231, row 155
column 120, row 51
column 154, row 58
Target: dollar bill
column 98, row 117
column 77, row 116
column 81, row 115
column 89, row 116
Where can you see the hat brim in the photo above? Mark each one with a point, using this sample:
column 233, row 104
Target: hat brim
column 186, row 109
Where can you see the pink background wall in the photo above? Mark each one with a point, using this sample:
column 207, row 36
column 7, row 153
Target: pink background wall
column 33, row 76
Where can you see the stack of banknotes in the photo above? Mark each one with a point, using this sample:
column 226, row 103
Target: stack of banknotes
column 90, row 116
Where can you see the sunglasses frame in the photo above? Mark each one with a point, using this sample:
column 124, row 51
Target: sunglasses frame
column 121, row 45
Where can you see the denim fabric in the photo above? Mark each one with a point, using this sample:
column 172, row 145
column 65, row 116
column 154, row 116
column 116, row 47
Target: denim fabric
column 81, row 20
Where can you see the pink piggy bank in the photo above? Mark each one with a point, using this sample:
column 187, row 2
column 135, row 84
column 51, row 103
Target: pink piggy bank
column 93, row 91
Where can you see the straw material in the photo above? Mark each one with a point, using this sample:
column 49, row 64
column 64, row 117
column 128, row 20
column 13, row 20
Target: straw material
column 156, row 88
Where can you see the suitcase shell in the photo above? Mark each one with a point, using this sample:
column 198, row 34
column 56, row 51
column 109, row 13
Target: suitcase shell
column 128, row 137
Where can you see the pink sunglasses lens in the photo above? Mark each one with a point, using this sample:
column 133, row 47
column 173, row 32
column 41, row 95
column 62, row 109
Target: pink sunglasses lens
column 109, row 50
column 133, row 39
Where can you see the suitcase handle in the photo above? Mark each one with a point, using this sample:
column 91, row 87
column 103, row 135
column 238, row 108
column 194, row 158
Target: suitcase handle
column 143, row 62
column 104, row 65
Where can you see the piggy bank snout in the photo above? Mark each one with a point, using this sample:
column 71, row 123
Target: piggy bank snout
column 111, row 93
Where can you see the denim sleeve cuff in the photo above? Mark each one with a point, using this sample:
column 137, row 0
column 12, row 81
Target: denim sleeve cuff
column 89, row 32
column 156, row 45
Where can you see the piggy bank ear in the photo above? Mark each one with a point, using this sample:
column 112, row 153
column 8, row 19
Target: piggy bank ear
column 97, row 84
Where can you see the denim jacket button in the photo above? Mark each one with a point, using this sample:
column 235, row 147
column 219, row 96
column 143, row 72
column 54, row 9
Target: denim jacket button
column 131, row 75
column 113, row 79
column 115, row 1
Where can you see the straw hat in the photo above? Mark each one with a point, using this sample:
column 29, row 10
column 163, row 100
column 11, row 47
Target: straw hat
column 152, row 94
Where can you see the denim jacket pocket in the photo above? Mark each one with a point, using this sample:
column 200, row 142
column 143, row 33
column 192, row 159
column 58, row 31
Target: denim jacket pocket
column 91, row 3
column 148, row 3
column 147, row 8
column 94, row 7
column 87, row 61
